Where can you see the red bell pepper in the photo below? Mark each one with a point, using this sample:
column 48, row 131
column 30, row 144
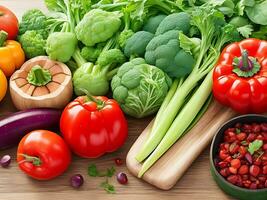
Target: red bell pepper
column 240, row 77
column 93, row 126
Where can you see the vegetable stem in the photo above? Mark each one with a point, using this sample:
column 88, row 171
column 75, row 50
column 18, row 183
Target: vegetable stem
column 39, row 76
column 3, row 37
column 34, row 160
column 181, row 123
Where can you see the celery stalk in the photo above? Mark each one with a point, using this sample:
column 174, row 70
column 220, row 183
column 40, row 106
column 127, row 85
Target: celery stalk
column 181, row 122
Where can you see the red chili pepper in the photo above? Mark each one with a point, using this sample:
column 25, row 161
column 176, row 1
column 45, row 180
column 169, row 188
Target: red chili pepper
column 240, row 77
column 93, row 126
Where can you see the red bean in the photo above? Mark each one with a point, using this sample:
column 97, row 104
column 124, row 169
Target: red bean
column 235, row 163
column 232, row 179
column 254, row 170
column 241, row 136
column 251, row 137
column 264, row 147
column 264, row 127
column 249, row 158
column 232, row 170
column 243, row 170
column 225, row 172
column 256, row 128
column 223, row 154
column 264, row 169
column 253, row 186
column 223, row 164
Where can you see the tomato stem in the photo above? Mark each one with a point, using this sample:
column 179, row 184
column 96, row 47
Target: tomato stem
column 34, row 160
column 3, row 37
column 39, row 76
column 1, row 14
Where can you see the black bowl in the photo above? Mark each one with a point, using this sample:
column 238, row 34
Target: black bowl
column 235, row 191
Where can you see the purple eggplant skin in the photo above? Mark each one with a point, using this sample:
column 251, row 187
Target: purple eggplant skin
column 16, row 125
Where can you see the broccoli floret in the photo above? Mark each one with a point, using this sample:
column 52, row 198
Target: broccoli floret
column 164, row 52
column 153, row 22
column 109, row 57
column 136, row 45
column 176, row 21
column 33, row 44
column 90, row 53
column 34, row 20
column 97, row 26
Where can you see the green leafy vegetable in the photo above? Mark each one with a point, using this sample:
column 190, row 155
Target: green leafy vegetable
column 245, row 31
column 108, row 187
column 257, row 13
column 255, row 146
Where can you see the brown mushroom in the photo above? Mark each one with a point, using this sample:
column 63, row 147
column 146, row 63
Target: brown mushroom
column 41, row 83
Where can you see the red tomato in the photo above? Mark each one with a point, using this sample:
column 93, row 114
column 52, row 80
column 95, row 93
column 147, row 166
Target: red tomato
column 43, row 155
column 93, row 126
column 8, row 22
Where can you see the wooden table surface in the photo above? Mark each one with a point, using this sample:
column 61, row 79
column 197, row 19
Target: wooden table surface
column 197, row 183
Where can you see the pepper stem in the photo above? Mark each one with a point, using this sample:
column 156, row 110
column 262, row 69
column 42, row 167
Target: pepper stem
column 246, row 66
column 100, row 104
column 3, row 37
column 34, row 160
column 39, row 76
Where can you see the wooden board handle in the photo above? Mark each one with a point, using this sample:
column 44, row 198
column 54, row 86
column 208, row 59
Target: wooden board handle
column 173, row 164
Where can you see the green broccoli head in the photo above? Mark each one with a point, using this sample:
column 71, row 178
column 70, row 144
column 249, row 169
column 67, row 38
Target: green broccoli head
column 153, row 22
column 136, row 45
column 176, row 21
column 60, row 46
column 97, row 26
column 140, row 88
column 33, row 44
column 34, row 20
column 124, row 36
column 90, row 53
column 90, row 78
column 109, row 57
column 164, row 51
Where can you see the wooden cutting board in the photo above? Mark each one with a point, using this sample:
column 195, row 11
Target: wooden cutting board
column 172, row 165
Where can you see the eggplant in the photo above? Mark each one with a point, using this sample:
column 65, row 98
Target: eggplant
column 16, row 125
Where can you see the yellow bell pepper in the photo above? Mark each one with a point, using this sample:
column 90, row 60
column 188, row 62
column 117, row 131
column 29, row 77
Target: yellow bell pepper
column 3, row 85
column 11, row 55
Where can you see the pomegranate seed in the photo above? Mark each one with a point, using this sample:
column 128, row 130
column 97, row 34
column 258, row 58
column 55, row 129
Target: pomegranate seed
column 253, row 186
column 118, row 161
column 264, row 169
column 264, row 163
column 241, row 136
column 262, row 178
column 235, row 163
column 243, row 170
column 223, row 164
column 264, row 157
column 225, row 172
column 232, row 179
column 254, row 170
column 232, row 170
column 248, row 158
column 264, row 134
column 253, row 179
column 239, row 181
column 223, row 154
column 264, row 147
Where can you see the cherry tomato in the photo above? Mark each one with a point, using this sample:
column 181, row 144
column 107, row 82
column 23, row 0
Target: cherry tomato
column 8, row 22
column 43, row 155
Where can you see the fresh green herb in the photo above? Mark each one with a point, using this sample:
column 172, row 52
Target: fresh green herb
column 108, row 187
column 255, row 146
column 94, row 172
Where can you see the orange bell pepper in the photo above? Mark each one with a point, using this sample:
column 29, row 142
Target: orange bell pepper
column 3, row 85
column 11, row 54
